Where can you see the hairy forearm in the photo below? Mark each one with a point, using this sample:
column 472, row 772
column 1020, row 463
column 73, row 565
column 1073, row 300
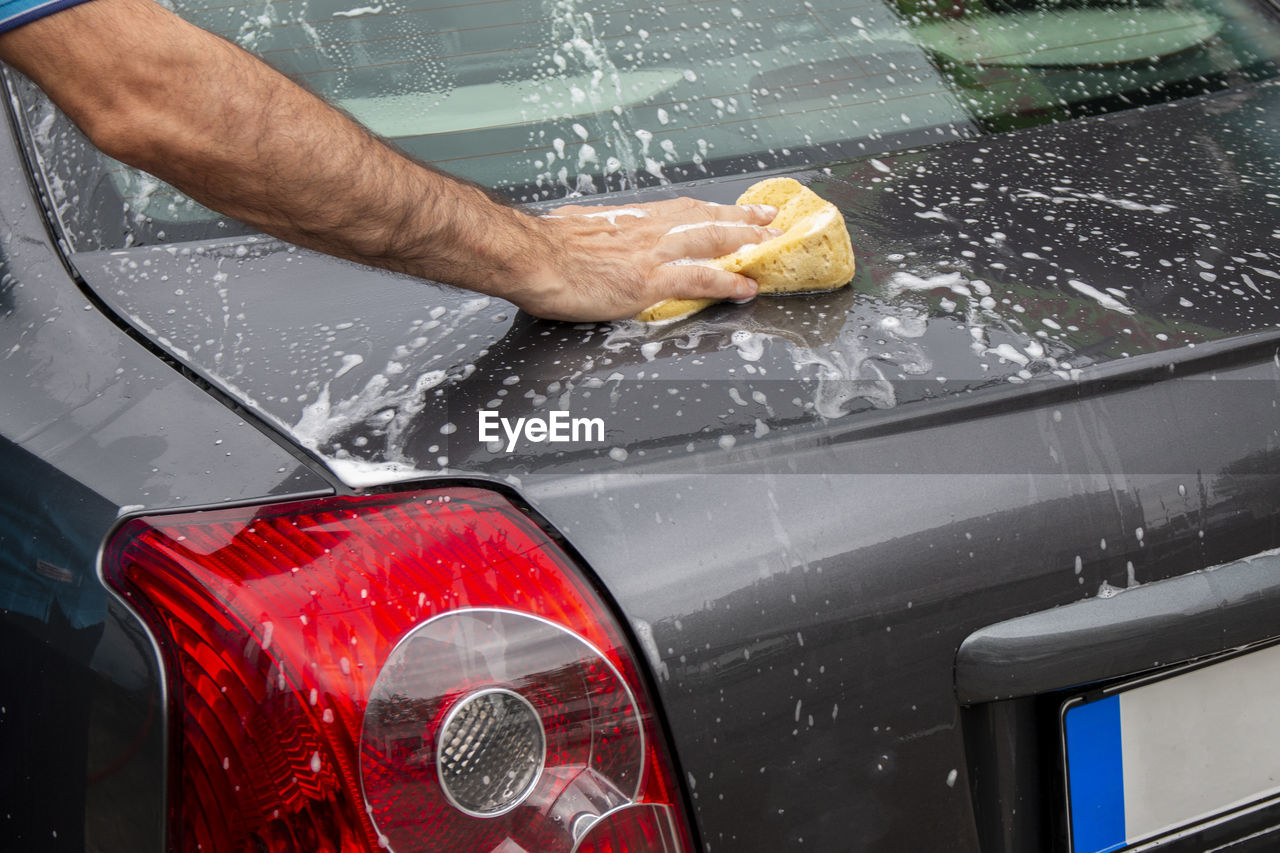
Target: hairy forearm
column 217, row 123
column 287, row 163
column 228, row 130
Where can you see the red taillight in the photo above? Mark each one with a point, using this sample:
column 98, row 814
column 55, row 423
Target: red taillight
column 418, row 672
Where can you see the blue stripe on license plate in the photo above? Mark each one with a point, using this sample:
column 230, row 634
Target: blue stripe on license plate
column 1096, row 773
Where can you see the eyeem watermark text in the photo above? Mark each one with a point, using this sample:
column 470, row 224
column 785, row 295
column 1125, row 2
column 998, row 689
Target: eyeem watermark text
column 558, row 427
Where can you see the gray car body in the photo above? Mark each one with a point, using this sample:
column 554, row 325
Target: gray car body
column 802, row 509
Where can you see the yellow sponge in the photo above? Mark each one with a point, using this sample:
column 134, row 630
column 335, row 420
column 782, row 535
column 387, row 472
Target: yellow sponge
column 813, row 252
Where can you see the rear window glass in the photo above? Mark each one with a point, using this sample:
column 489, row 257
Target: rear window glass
column 543, row 99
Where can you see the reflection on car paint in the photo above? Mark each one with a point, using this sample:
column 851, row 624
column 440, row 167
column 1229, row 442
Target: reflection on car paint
column 1052, row 253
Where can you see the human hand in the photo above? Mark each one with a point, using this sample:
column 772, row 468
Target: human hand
column 606, row 263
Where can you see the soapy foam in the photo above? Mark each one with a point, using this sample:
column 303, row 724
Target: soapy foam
column 1103, row 299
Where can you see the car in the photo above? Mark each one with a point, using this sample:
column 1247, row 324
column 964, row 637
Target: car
column 978, row 553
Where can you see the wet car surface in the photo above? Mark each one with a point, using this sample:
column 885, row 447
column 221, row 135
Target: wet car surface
column 1054, row 381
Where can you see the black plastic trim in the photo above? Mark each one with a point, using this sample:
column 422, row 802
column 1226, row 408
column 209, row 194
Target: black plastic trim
column 1204, row 613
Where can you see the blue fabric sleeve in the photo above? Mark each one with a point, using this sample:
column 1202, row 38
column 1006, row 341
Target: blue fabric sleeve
column 15, row 13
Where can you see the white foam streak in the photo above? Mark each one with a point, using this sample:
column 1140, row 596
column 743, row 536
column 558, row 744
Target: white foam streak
column 1106, row 300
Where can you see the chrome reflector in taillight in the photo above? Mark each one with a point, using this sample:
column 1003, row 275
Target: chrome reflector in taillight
column 414, row 672
column 490, row 750
column 528, row 730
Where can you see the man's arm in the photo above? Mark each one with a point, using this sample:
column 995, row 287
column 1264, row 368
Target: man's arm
column 163, row 95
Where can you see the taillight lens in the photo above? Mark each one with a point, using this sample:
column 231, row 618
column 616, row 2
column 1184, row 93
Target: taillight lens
column 416, row 672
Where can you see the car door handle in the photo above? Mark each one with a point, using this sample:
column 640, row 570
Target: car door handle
column 1155, row 624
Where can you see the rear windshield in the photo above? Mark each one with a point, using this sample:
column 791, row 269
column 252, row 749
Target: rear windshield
column 544, row 99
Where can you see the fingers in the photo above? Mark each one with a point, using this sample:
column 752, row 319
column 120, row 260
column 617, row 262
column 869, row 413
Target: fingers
column 612, row 262
column 753, row 214
column 681, row 210
column 710, row 239
column 676, row 228
column 674, row 212
column 695, row 281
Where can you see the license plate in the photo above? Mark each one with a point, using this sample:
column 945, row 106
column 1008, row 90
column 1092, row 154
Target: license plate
column 1149, row 759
